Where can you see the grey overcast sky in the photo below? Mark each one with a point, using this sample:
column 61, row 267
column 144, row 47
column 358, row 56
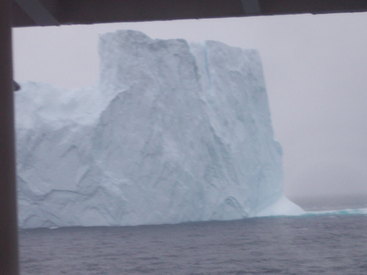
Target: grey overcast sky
column 315, row 69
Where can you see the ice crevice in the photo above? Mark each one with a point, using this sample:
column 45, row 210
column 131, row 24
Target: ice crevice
column 173, row 133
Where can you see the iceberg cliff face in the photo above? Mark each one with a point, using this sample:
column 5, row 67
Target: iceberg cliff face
column 173, row 133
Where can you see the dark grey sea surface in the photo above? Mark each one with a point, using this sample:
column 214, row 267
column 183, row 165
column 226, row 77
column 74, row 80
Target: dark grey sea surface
column 326, row 244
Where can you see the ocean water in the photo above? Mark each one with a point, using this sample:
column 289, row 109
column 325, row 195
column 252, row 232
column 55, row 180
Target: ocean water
column 327, row 244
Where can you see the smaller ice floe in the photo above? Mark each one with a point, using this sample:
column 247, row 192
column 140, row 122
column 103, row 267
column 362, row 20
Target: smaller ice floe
column 362, row 211
column 281, row 207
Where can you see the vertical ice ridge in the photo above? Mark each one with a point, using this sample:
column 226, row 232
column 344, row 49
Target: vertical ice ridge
column 207, row 65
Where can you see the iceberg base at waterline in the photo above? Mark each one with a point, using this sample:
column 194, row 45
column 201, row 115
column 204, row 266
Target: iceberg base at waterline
column 281, row 207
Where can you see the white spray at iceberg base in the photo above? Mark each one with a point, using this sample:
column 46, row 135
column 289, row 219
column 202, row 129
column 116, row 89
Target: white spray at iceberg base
column 173, row 133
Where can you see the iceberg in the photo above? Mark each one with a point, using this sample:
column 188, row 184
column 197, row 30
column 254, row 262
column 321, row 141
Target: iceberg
column 173, row 133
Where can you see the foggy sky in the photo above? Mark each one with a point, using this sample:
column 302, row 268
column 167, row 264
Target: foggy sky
column 315, row 70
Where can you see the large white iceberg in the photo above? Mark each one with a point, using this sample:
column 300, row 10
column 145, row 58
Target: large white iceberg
column 173, row 133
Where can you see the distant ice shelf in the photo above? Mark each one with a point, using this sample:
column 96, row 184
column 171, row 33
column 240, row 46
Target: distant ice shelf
column 360, row 211
column 173, row 133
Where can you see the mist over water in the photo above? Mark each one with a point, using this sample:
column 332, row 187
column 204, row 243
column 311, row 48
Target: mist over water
column 323, row 203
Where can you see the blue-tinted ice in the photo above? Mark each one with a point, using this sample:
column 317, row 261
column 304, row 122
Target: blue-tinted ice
column 173, row 133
